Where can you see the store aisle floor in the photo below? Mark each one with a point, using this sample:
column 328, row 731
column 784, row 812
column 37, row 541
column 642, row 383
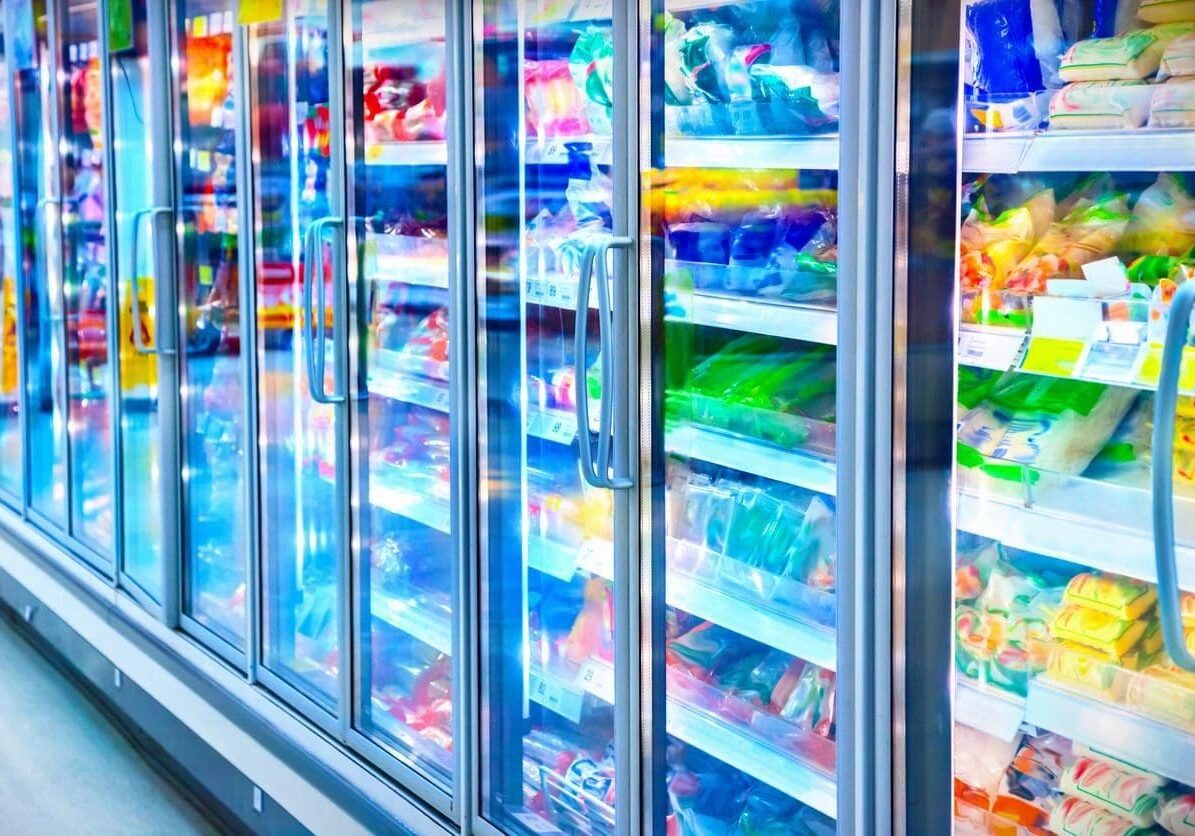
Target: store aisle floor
column 64, row 768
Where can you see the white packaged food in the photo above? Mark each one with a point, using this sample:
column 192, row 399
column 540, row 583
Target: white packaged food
column 1166, row 11
column 1178, row 59
column 1131, row 56
column 1101, row 105
column 1173, row 104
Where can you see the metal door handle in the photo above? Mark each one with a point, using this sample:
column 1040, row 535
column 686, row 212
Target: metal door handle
column 614, row 388
column 153, row 213
column 316, row 344
column 1165, row 406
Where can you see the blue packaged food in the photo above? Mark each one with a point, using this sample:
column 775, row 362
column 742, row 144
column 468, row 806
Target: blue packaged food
column 1001, row 38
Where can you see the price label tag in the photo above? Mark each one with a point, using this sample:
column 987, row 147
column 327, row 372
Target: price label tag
column 556, row 695
column 597, row 678
column 989, row 350
column 258, row 11
column 1057, row 357
column 536, row 823
column 1151, row 369
column 597, row 558
column 1114, row 355
column 199, row 26
column 591, row 10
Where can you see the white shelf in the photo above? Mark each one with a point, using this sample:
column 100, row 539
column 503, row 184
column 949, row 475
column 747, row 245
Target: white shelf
column 433, row 152
column 748, row 456
column 744, row 751
column 554, row 150
column 556, row 290
column 1084, row 521
column 563, row 562
column 1139, row 740
column 1143, row 149
column 812, row 152
column 564, row 691
column 988, row 710
column 426, row 510
column 415, row 618
column 798, row 322
column 395, row 271
column 805, row 640
column 432, row 394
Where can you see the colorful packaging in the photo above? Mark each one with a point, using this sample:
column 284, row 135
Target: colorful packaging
column 1123, row 794
column 1165, row 692
column 1118, row 596
column 1000, row 36
column 1091, row 628
column 1133, row 55
column 1078, row 817
column 990, row 248
column 1101, row 105
column 1163, row 219
column 1177, row 815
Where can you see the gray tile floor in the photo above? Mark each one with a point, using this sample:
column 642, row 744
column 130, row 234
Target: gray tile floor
column 64, row 769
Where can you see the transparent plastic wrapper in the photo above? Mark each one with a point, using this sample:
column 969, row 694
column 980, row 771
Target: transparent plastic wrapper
column 1177, row 814
column 980, row 759
column 990, row 247
column 1086, row 233
column 555, row 107
column 795, row 99
column 1173, row 104
column 1101, row 105
column 591, row 65
column 1163, row 219
column 1166, row 11
column 1132, row 797
column 1178, row 59
column 1133, row 55
column 1000, row 36
column 1077, row 816
column 1006, row 111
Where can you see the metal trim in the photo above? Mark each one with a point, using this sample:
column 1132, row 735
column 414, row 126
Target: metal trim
column 212, row 641
column 398, row 768
column 293, row 697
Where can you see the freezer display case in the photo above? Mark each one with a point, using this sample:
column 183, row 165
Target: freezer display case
column 742, row 208
column 11, row 443
column 405, row 554
column 40, row 207
column 1073, row 680
column 212, row 373
column 298, row 374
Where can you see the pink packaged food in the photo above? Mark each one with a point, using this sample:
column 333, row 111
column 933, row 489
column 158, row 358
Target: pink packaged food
column 1076, row 816
column 1178, row 815
column 1124, row 794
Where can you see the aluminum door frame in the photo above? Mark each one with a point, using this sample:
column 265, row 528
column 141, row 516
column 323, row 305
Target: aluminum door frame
column 176, row 617
column 924, row 338
column 332, row 723
column 866, row 137
column 19, row 503
column 454, row 802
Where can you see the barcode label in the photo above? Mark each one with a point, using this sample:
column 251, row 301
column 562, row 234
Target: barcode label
column 988, row 350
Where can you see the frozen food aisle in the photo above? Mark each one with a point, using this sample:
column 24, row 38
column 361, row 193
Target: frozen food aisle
column 50, row 724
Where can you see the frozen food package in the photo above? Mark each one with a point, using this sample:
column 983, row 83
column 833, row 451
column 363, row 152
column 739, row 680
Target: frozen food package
column 1187, row 609
column 1178, row 59
column 1166, row 11
column 1133, row 55
column 990, row 247
column 1035, row 772
column 1089, row 231
column 1091, row 628
column 1122, row 597
column 1173, row 104
column 1123, row 794
column 795, row 91
column 980, row 759
column 1000, row 37
column 1177, row 815
column 1077, row 817
column 1165, row 692
column 1101, row 105
column 1163, row 219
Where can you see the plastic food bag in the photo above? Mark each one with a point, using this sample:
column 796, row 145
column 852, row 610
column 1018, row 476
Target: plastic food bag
column 1086, row 233
column 991, row 247
column 1133, row 55
column 1166, row 11
column 554, row 104
column 1000, row 35
column 1173, row 104
column 1101, row 105
column 591, row 65
column 1177, row 815
column 1179, row 58
column 1163, row 220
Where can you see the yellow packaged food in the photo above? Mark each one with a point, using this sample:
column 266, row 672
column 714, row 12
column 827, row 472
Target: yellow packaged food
column 1152, row 642
column 1092, row 628
column 1121, row 597
column 1186, row 609
column 1164, row 692
column 1089, row 670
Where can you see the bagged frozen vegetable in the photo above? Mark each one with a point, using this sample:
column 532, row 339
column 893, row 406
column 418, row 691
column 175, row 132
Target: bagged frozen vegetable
column 1163, row 219
column 990, row 247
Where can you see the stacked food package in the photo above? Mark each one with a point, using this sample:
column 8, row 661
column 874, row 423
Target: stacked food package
column 1109, row 66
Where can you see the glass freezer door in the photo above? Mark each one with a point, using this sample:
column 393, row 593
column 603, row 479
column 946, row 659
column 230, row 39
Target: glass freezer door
column 1074, row 495
column 404, row 547
column 545, row 74
column 211, row 389
column 40, row 207
column 12, row 482
column 742, row 203
column 300, row 343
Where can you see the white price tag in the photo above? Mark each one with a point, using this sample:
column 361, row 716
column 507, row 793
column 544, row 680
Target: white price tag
column 555, row 695
column 597, row 558
column 989, row 350
column 536, row 823
column 598, row 679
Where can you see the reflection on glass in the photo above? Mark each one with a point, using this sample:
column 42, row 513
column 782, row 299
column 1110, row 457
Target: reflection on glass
column 549, row 622
column 298, row 455
column 10, row 424
column 750, row 379
column 399, row 199
column 138, row 377
column 85, row 279
column 40, row 263
column 212, row 386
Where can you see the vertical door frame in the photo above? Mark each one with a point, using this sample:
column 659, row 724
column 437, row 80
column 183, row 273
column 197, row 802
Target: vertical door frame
column 21, row 500
column 923, row 342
